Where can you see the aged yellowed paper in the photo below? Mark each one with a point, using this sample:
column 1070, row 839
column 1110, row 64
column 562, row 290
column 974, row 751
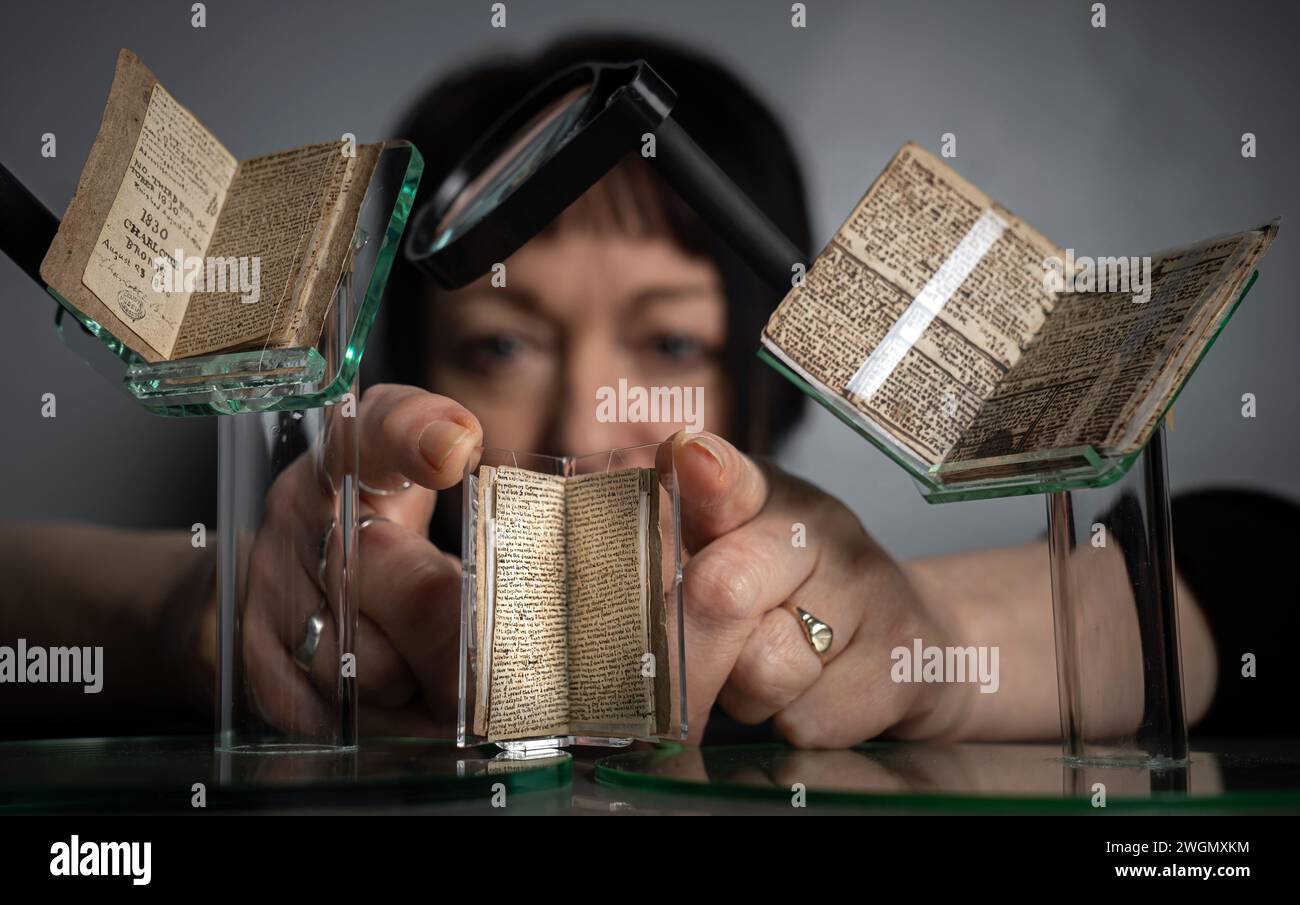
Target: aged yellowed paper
column 931, row 271
column 931, row 315
column 570, row 615
column 178, row 250
column 167, row 203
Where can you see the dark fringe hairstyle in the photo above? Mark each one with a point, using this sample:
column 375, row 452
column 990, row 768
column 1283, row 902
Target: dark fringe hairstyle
column 723, row 117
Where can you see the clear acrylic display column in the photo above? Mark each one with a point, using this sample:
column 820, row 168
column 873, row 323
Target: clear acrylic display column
column 1115, row 606
column 280, row 473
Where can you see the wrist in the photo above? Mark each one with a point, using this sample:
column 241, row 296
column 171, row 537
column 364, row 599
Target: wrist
column 185, row 632
column 942, row 709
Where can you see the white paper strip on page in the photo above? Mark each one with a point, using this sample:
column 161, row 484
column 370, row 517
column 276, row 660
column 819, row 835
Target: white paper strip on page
column 929, row 302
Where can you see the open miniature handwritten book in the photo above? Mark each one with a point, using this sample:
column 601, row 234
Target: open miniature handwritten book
column 928, row 322
column 569, row 604
column 271, row 235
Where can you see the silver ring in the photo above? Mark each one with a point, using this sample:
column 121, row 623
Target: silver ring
column 376, row 491
column 305, row 652
column 322, row 563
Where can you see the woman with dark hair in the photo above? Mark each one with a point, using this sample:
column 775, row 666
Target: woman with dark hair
column 720, row 114
column 679, row 307
column 627, row 284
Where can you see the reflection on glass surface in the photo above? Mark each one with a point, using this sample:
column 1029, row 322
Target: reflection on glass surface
column 961, row 777
column 156, row 774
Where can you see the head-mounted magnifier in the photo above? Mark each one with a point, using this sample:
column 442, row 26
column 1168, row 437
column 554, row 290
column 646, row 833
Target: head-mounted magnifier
column 542, row 155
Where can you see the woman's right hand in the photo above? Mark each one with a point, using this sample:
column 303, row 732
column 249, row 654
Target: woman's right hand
column 409, row 591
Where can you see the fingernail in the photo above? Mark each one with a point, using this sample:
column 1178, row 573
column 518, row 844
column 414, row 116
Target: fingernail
column 439, row 440
column 709, row 448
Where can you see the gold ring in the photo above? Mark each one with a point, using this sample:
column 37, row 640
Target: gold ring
column 819, row 634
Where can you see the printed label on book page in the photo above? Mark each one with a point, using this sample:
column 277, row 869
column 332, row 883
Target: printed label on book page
column 169, row 199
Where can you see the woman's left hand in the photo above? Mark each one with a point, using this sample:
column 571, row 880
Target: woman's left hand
column 758, row 539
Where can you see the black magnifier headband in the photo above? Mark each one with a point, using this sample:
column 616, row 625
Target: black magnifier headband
column 558, row 142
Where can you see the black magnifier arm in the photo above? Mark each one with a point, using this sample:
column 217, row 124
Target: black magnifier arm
column 709, row 191
column 622, row 102
column 27, row 227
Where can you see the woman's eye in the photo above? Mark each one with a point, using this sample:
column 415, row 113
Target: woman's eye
column 677, row 347
column 489, row 351
column 500, row 346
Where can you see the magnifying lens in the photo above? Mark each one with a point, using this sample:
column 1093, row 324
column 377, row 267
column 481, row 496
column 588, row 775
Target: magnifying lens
column 543, row 154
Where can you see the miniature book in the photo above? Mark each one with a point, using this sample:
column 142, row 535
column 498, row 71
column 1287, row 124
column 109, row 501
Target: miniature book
column 939, row 323
column 569, row 605
column 178, row 249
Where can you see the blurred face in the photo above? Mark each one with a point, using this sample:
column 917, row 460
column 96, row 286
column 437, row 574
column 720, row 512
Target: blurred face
column 582, row 311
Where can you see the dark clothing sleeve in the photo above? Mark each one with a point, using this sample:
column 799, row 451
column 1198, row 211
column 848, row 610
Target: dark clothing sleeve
column 1236, row 550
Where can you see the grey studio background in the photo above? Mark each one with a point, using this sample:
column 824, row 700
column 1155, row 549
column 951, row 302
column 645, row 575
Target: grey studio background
column 1115, row 141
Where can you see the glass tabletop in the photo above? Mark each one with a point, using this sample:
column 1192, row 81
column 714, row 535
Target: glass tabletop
column 160, row 773
column 979, row 778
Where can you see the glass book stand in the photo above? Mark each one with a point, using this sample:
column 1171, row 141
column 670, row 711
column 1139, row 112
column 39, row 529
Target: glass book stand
column 284, row 411
column 1119, row 672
